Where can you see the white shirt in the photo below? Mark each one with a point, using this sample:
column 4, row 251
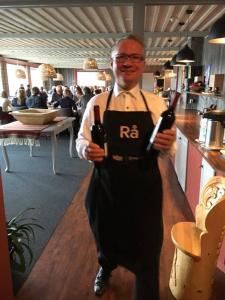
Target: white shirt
column 119, row 102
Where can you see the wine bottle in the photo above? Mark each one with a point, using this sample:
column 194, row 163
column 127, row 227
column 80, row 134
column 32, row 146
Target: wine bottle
column 97, row 129
column 165, row 121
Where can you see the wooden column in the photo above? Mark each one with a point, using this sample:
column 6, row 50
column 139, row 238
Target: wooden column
column 4, row 76
column 6, row 289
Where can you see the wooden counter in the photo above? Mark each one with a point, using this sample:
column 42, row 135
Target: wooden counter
column 188, row 122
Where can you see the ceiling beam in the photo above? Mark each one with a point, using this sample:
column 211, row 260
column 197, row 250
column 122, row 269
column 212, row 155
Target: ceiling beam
column 67, row 35
column 107, row 50
column 69, row 3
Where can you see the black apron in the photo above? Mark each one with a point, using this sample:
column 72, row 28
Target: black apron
column 124, row 198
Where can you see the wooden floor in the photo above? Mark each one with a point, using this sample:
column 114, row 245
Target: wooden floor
column 67, row 266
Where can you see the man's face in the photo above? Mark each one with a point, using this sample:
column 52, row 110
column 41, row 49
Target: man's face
column 59, row 90
column 128, row 63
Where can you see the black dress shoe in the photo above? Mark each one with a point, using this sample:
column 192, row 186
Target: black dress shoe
column 101, row 281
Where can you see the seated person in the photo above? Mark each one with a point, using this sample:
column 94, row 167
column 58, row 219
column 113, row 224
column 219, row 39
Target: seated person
column 43, row 94
column 19, row 102
column 35, row 100
column 57, row 94
column 5, row 103
column 66, row 101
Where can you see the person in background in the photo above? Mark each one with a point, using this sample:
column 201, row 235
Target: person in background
column 28, row 91
column 124, row 197
column 57, row 94
column 78, row 93
column 5, row 103
column 82, row 103
column 43, row 94
column 35, row 100
column 66, row 101
column 98, row 91
column 19, row 102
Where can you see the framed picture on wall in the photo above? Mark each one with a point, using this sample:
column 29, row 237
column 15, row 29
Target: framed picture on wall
column 207, row 74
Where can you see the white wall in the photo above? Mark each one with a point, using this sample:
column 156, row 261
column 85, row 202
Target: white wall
column 148, row 82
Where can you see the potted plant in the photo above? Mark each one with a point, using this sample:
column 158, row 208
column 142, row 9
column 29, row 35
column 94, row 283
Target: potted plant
column 21, row 231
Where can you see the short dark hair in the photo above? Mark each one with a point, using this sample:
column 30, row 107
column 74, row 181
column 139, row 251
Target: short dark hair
column 35, row 90
column 128, row 37
column 87, row 90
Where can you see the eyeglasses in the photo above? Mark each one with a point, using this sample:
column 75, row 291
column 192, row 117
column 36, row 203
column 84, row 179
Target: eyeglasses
column 122, row 58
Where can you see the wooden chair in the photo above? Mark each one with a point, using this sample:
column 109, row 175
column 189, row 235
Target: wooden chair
column 198, row 245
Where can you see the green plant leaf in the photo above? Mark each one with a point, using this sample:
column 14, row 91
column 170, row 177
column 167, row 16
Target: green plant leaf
column 21, row 213
column 21, row 231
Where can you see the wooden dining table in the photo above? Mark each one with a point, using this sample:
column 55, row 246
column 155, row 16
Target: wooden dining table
column 16, row 133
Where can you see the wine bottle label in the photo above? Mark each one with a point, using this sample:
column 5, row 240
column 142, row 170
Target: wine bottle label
column 156, row 129
column 106, row 149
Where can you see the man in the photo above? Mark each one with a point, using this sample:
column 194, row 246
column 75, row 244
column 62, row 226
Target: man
column 124, row 198
column 57, row 94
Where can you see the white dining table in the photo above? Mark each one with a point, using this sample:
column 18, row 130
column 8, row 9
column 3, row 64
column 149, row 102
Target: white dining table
column 52, row 130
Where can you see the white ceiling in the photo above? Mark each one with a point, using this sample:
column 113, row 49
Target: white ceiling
column 65, row 33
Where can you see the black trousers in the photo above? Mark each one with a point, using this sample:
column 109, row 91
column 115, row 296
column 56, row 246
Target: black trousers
column 146, row 281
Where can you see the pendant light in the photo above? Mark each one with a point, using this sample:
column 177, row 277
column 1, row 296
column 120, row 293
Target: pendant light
column 174, row 61
column 90, row 64
column 101, row 76
column 167, row 65
column 217, row 32
column 46, row 71
column 186, row 54
column 20, row 74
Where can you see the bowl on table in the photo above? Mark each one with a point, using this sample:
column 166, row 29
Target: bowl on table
column 35, row 116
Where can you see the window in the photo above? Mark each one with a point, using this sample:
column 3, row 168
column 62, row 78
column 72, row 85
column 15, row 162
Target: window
column 35, row 77
column 14, row 82
column 89, row 79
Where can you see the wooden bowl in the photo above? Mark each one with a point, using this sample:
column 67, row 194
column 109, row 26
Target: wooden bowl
column 35, row 116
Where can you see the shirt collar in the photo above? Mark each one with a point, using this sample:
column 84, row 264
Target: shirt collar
column 118, row 90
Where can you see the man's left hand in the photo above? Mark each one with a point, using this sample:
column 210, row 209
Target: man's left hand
column 164, row 140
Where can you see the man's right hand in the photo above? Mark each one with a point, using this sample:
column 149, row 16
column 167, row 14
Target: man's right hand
column 94, row 153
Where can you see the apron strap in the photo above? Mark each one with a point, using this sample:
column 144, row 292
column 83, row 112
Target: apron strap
column 144, row 101
column 110, row 95
column 108, row 99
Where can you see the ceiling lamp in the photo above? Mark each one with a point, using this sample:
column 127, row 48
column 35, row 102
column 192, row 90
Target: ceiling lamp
column 90, row 64
column 217, row 32
column 167, row 66
column 101, row 76
column 20, row 74
column 174, row 61
column 46, row 71
column 186, row 54
column 59, row 77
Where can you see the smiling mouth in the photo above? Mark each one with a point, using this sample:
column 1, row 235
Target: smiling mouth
column 127, row 71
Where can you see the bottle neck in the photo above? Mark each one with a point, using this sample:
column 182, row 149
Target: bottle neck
column 97, row 114
column 174, row 102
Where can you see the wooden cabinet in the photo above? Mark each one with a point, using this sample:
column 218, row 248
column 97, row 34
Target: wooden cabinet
column 193, row 176
column 181, row 158
column 207, row 172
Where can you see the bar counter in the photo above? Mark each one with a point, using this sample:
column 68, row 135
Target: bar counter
column 188, row 121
